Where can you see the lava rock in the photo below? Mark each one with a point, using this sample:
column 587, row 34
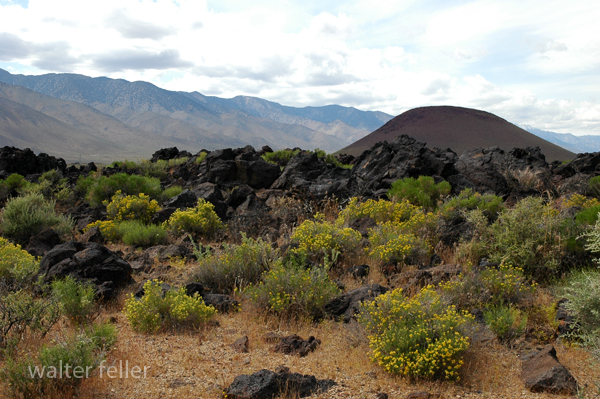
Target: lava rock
column 266, row 384
column 542, row 372
column 296, row 345
column 345, row 306
column 91, row 262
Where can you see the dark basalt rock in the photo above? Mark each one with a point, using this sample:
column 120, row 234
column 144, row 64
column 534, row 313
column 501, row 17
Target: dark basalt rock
column 542, row 372
column 296, row 345
column 167, row 154
column 43, row 242
column 91, row 262
column 347, row 305
column 185, row 199
column 25, row 162
column 266, row 384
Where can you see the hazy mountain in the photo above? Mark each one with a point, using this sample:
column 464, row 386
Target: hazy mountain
column 459, row 129
column 206, row 122
column 577, row 144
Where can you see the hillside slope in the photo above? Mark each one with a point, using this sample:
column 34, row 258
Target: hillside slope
column 459, row 129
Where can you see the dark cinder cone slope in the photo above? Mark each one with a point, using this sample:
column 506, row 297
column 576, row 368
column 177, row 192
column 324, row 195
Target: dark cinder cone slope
column 459, row 129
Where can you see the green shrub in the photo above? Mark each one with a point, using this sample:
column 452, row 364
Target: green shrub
column 594, row 186
column 422, row 191
column 292, row 291
column 15, row 182
column 139, row 235
column 170, row 192
column 420, row 337
column 23, row 315
column 199, row 221
column 200, row 158
column 24, row 217
column 281, row 157
column 103, row 188
column 506, row 285
column 76, row 299
column 61, row 366
column 236, row 266
column 154, row 311
column 467, row 200
column 131, row 207
column 582, row 290
column 532, row 236
column 16, row 265
column 506, row 322
column 319, row 238
column 588, row 216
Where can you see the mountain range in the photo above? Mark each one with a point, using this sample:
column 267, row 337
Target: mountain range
column 81, row 118
column 102, row 119
column 576, row 144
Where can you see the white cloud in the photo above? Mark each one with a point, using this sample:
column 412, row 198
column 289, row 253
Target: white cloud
column 526, row 62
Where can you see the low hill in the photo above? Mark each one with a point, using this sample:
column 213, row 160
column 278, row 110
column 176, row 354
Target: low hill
column 459, row 129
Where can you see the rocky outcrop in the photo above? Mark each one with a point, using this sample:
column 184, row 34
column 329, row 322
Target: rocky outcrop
column 167, row 154
column 25, row 162
column 266, row 384
column 91, row 262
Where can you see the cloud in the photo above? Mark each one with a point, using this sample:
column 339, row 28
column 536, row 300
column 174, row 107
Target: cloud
column 132, row 28
column 54, row 57
column 13, row 47
column 268, row 70
column 551, row 45
column 138, row 59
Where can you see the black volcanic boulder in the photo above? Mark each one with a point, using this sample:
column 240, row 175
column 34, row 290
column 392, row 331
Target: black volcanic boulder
column 25, row 162
column 91, row 262
column 167, row 154
column 43, row 242
column 347, row 305
column 588, row 163
column 542, row 372
column 480, row 166
column 266, row 384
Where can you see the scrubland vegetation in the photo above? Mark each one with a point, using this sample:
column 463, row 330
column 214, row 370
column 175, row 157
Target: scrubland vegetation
column 515, row 261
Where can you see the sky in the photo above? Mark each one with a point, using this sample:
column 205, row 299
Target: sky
column 529, row 62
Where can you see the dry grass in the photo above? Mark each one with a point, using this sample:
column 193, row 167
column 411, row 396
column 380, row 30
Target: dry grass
column 201, row 364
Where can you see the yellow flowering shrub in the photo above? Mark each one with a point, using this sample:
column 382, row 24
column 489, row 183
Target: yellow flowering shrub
column 154, row 311
column 383, row 211
column 108, row 228
column 320, row 238
column 580, row 200
column 201, row 220
column 420, row 337
column 16, row 265
column 131, row 207
column 389, row 242
column 291, row 290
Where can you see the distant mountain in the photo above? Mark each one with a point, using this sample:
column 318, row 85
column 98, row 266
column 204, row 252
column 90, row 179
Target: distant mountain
column 459, row 129
column 194, row 121
column 577, row 144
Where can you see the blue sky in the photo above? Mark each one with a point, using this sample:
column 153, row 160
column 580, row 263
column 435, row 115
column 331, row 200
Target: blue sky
column 529, row 62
